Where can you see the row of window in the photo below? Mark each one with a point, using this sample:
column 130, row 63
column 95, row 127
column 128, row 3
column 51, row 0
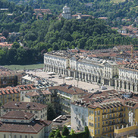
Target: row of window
column 96, row 112
column 16, row 136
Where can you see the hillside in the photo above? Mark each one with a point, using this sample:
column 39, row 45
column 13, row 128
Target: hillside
column 115, row 10
column 39, row 36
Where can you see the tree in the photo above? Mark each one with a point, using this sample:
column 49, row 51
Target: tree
column 15, row 45
column 87, row 133
column 57, row 134
column 52, row 134
column 5, row 33
column 51, row 114
column 65, row 131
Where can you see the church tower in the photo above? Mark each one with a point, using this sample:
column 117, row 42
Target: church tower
column 66, row 12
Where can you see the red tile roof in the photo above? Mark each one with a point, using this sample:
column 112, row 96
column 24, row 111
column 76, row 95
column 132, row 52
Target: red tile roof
column 18, row 115
column 68, row 89
column 24, row 106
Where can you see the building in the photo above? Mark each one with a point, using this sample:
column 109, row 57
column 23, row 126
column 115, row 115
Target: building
column 81, row 67
column 16, row 94
column 66, row 12
column 26, row 89
column 110, row 113
column 9, row 94
column 128, row 77
column 38, row 109
column 9, row 77
column 63, row 95
column 79, row 120
column 20, row 124
column 39, row 96
column 41, row 12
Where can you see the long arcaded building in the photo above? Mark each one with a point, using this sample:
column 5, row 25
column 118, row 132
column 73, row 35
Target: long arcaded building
column 83, row 67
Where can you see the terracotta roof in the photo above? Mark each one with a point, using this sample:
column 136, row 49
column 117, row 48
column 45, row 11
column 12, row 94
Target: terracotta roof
column 24, row 105
column 107, row 99
column 68, row 89
column 31, row 94
column 46, row 92
column 18, row 115
column 33, row 127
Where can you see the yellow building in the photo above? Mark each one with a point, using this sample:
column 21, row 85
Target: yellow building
column 111, row 114
column 9, row 93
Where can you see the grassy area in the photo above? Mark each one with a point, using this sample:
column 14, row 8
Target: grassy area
column 22, row 67
column 117, row 1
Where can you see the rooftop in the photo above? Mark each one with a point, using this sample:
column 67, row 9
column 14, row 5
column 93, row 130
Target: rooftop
column 18, row 115
column 68, row 89
column 108, row 99
column 24, row 105
column 33, row 127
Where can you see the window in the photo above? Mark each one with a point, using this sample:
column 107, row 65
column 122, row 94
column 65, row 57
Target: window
column 4, row 135
column 20, row 136
column 32, row 137
column 14, row 136
column 98, row 124
column 95, row 132
column 106, row 129
column 95, row 119
column 98, row 118
column 98, row 112
column 95, row 125
column 25, row 136
column 98, row 131
column 95, row 112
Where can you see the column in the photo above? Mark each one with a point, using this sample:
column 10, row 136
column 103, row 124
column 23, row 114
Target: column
column 123, row 85
column 119, row 84
column 131, row 87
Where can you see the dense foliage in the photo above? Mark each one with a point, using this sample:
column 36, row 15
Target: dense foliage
column 72, row 134
column 46, row 35
column 60, row 34
column 114, row 11
column 39, row 36
column 51, row 114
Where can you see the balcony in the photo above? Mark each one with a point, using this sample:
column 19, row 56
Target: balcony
column 110, row 118
column 112, row 124
column 108, row 131
column 121, row 110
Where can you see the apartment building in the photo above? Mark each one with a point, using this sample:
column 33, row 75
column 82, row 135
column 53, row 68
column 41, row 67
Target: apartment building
column 63, row 95
column 38, row 109
column 21, row 124
column 9, row 93
column 26, row 89
column 110, row 113
column 128, row 77
column 39, row 96
column 9, row 77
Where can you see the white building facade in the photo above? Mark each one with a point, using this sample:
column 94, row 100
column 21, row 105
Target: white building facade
column 66, row 12
column 128, row 80
column 84, row 69
column 79, row 116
